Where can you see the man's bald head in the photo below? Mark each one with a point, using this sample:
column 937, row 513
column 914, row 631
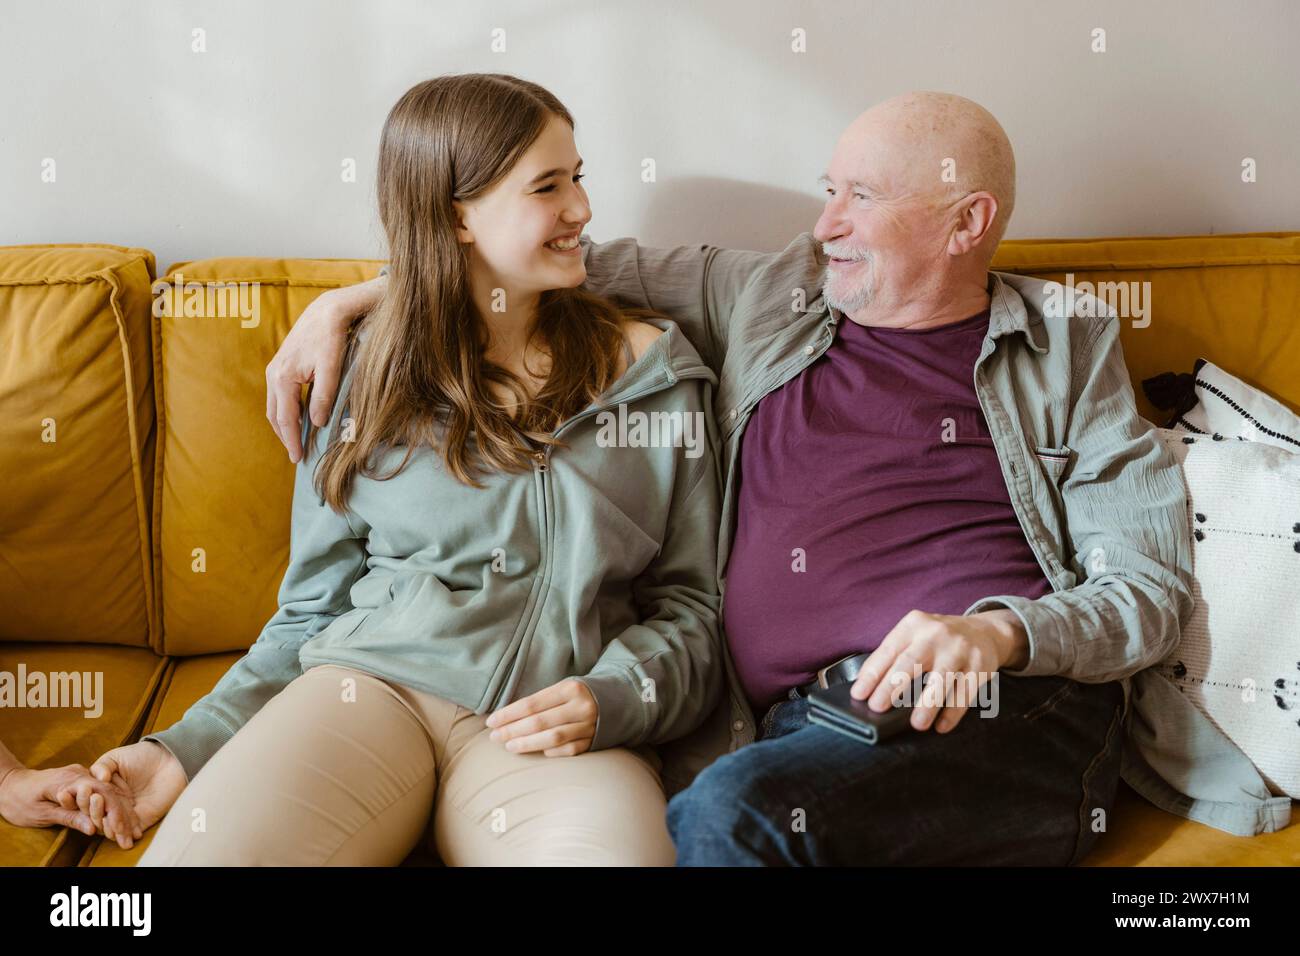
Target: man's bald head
column 919, row 192
column 921, row 139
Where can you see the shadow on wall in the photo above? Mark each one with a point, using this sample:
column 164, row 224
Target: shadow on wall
column 724, row 212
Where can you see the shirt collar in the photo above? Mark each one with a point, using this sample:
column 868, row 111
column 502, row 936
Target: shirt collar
column 1007, row 313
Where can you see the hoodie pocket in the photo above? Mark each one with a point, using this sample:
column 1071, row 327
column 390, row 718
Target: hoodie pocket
column 343, row 626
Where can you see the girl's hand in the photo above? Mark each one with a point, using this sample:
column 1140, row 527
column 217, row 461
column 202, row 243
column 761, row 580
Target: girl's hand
column 560, row 721
column 106, row 808
column 150, row 773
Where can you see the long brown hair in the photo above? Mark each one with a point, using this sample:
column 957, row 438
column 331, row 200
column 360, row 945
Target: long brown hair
column 453, row 138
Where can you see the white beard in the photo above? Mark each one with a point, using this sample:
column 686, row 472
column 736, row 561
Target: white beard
column 848, row 299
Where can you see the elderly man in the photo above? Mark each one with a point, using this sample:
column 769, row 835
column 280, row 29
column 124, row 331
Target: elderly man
column 927, row 472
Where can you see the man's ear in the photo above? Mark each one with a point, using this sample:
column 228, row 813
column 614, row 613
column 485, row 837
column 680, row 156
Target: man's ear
column 463, row 232
column 977, row 213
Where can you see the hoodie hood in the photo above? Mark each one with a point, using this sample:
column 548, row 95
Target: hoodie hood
column 667, row 360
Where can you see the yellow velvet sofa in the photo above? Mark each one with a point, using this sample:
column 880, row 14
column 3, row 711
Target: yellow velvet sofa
column 144, row 524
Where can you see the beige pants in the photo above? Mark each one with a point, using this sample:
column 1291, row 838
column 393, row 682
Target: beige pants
column 317, row 778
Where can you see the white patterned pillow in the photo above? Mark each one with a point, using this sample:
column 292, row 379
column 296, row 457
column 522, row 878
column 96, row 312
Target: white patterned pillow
column 1238, row 660
column 1227, row 406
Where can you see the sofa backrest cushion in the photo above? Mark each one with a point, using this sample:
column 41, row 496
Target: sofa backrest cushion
column 223, row 529
column 77, row 444
column 1233, row 299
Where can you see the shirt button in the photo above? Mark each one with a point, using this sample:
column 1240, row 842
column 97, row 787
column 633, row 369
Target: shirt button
column 732, row 416
column 808, row 350
column 738, row 725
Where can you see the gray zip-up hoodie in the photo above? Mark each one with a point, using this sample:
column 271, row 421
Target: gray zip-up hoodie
column 599, row 563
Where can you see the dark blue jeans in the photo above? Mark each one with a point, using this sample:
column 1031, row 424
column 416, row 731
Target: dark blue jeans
column 1019, row 788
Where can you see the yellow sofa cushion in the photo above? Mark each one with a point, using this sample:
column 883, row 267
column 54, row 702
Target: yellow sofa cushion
column 46, row 737
column 1142, row 834
column 1234, row 300
column 76, row 386
column 223, row 532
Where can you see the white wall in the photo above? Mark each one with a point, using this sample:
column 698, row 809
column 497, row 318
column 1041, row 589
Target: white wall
column 237, row 151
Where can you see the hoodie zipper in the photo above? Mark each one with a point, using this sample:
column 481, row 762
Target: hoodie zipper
column 541, row 463
column 542, row 459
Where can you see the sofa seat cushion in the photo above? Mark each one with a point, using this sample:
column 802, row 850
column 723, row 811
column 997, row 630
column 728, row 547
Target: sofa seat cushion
column 1142, row 834
column 113, row 706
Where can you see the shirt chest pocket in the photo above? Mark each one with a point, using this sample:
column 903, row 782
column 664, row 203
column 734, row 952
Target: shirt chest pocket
column 1054, row 461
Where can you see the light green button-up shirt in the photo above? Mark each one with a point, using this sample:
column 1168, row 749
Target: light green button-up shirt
column 1101, row 502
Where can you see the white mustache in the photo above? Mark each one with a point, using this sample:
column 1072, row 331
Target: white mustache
column 835, row 252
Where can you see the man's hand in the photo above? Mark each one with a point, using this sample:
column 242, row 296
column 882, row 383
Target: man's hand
column 960, row 653
column 313, row 352
column 560, row 721
column 148, row 771
column 30, row 798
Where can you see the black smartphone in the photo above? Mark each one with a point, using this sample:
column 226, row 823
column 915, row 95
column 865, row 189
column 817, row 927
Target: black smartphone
column 834, row 709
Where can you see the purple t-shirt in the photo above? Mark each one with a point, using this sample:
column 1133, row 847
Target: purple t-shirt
column 869, row 485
